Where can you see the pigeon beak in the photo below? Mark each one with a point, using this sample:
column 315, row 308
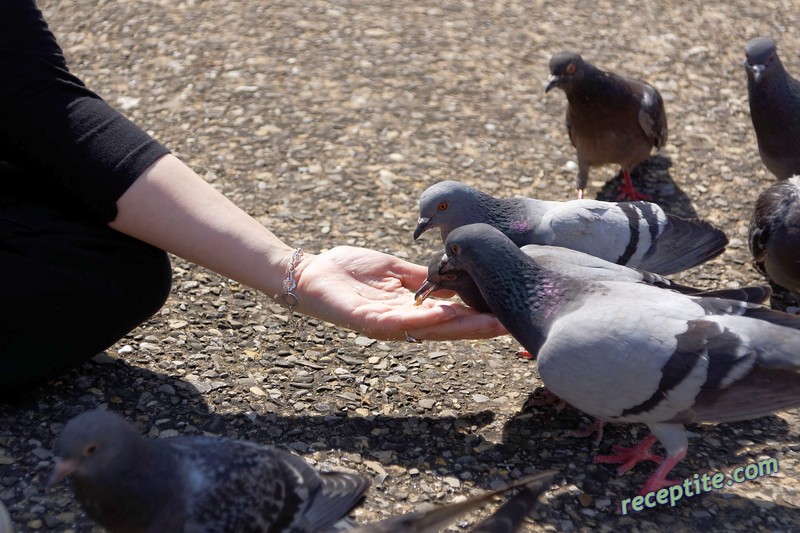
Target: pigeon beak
column 755, row 70
column 552, row 81
column 422, row 225
column 445, row 265
column 63, row 468
column 424, row 291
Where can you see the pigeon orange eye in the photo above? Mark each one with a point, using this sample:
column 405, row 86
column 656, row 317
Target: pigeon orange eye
column 89, row 450
column 571, row 68
column 442, row 206
column 454, row 249
column 449, row 277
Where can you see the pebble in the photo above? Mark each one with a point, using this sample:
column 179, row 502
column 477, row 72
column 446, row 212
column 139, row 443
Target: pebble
column 427, row 403
column 364, row 341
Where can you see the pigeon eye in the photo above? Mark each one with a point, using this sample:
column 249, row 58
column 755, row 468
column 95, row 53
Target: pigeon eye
column 442, row 206
column 89, row 450
column 571, row 68
column 454, row 249
column 449, row 277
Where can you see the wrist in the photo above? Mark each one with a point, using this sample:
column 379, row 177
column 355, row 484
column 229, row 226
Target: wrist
column 289, row 294
column 289, row 297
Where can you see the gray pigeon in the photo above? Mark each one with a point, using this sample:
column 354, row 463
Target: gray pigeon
column 506, row 519
column 774, row 108
column 570, row 263
column 775, row 233
column 127, row 482
column 610, row 119
column 634, row 234
column 627, row 352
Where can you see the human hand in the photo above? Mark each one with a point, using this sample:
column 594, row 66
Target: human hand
column 373, row 293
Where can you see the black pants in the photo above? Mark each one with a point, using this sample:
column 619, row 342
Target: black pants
column 69, row 289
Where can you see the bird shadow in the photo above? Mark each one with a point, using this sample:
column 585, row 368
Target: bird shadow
column 712, row 448
column 455, row 445
column 652, row 177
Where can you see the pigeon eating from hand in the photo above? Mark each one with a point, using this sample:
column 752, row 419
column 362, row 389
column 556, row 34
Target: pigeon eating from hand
column 774, row 108
column 127, row 482
column 610, row 119
column 569, row 263
column 506, row 519
column 634, row 234
column 628, row 352
column 775, row 233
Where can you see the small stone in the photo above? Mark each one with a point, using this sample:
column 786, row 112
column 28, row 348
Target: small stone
column 257, row 391
column 167, row 389
column 364, row 341
column 480, row 398
column 427, row 403
column 125, row 350
column 103, row 359
column 454, row 482
column 41, row 453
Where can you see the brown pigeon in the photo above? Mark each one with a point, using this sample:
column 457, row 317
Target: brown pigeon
column 610, row 119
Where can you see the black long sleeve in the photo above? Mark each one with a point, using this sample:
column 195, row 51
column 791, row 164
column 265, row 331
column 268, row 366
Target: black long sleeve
column 53, row 126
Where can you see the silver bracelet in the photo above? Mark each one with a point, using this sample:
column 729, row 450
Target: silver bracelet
column 290, row 299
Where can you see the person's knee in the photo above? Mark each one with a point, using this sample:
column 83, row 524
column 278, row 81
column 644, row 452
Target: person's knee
column 150, row 284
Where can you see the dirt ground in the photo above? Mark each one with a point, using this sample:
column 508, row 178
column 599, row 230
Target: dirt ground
column 325, row 121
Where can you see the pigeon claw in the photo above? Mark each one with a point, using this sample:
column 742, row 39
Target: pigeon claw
column 630, row 457
column 628, row 192
column 658, row 479
column 589, row 430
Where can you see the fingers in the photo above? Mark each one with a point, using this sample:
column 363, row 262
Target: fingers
column 438, row 322
column 479, row 326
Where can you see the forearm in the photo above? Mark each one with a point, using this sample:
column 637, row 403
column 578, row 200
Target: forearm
column 171, row 207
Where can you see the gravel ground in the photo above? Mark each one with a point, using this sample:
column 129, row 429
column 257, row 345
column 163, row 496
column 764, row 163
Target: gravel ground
column 326, row 120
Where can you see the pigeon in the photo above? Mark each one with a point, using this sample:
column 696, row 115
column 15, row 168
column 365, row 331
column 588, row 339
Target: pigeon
column 633, row 353
column 127, row 482
column 610, row 119
column 774, row 108
column 775, row 233
column 570, row 263
column 506, row 519
column 634, row 234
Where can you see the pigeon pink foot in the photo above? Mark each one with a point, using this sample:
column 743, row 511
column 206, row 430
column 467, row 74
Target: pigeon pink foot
column 658, row 479
column 589, row 430
column 629, row 192
column 630, row 457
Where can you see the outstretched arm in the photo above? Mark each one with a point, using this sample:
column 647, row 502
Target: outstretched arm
column 171, row 207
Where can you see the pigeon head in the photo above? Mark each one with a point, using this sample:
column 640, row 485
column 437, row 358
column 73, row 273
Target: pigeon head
column 457, row 281
column 762, row 57
column 436, row 280
column 447, row 205
column 566, row 69
column 466, row 246
column 92, row 444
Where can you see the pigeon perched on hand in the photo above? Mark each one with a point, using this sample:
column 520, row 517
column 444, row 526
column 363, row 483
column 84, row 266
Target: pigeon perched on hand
column 627, row 352
column 126, row 482
column 569, row 263
column 634, row 234
column 775, row 233
column 774, row 108
column 610, row 119
column 506, row 519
